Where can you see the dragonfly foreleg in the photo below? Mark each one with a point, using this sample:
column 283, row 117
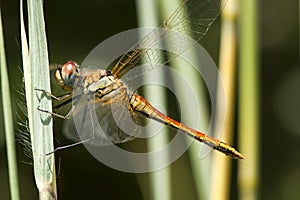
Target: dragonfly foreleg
column 58, row 98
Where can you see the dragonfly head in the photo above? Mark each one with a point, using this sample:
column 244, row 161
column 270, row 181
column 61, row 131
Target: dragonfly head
column 66, row 75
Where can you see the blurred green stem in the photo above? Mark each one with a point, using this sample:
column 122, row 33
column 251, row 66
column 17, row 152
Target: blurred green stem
column 160, row 183
column 8, row 122
column 248, row 101
column 200, row 168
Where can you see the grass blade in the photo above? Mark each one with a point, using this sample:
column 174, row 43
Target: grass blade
column 221, row 166
column 8, row 122
column 36, row 75
column 160, row 182
column 248, row 101
column 201, row 169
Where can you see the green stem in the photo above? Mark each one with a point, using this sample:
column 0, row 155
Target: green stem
column 160, row 180
column 201, row 169
column 8, row 122
column 248, row 98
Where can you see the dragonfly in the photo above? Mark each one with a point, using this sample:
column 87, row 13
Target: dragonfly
column 103, row 106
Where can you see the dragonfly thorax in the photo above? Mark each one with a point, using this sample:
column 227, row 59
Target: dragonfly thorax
column 101, row 83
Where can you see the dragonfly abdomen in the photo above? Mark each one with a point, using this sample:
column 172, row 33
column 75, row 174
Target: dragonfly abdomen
column 140, row 105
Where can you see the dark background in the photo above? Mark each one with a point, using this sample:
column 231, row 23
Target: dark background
column 75, row 27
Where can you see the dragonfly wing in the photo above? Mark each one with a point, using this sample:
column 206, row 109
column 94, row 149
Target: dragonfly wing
column 192, row 18
column 103, row 122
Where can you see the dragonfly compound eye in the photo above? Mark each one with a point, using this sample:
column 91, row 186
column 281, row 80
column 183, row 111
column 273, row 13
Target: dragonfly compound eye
column 65, row 75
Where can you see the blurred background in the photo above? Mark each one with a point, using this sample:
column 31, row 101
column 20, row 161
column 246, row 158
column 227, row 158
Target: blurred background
column 75, row 27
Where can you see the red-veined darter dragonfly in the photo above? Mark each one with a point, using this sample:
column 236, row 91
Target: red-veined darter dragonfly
column 104, row 89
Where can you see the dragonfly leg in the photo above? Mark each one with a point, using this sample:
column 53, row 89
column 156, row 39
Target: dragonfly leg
column 69, row 145
column 67, row 116
column 58, row 98
column 76, row 143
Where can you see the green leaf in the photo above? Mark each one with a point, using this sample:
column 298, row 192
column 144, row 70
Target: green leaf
column 36, row 75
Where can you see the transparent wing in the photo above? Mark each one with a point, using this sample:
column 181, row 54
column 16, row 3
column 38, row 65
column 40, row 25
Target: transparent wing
column 102, row 122
column 192, row 18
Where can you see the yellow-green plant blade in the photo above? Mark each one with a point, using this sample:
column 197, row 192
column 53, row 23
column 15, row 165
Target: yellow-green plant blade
column 248, row 101
column 36, row 75
column 221, row 166
column 8, row 122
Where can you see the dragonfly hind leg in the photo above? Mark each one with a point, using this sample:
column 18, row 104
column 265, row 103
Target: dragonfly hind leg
column 91, row 137
column 69, row 145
